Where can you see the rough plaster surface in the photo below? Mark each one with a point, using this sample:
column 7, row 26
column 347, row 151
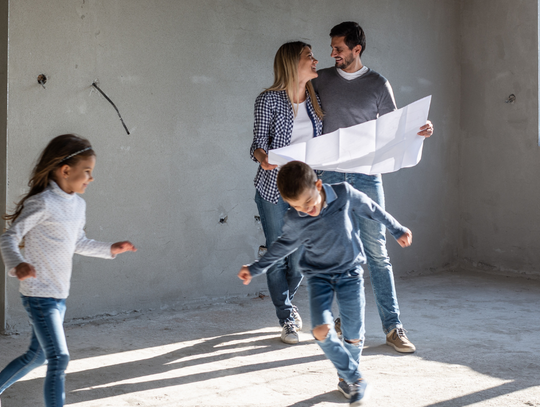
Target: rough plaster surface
column 476, row 347
column 184, row 76
column 499, row 153
column 3, row 139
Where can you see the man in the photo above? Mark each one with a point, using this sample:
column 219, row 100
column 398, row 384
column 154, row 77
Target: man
column 351, row 94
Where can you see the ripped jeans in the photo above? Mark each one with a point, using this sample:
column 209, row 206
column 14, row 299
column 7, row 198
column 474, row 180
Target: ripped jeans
column 348, row 288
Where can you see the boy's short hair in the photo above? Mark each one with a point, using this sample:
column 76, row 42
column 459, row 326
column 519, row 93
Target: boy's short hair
column 294, row 178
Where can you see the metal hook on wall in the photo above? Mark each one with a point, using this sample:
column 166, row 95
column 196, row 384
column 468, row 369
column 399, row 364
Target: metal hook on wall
column 42, row 80
column 510, row 99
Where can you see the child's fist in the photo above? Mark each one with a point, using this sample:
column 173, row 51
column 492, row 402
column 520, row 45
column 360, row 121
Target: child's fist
column 245, row 275
column 405, row 239
column 121, row 247
column 24, row 271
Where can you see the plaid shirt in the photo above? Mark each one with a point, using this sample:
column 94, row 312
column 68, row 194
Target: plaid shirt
column 274, row 120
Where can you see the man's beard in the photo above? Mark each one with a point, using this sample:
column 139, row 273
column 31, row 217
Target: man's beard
column 346, row 62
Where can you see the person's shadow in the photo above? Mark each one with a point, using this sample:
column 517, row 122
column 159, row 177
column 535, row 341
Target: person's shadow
column 94, row 384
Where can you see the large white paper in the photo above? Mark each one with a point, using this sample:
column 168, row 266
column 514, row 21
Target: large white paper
column 375, row 147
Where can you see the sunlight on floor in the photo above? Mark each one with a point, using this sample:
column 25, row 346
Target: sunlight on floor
column 80, row 365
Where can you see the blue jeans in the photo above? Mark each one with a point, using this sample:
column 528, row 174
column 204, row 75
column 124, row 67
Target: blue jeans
column 373, row 236
column 48, row 343
column 284, row 277
column 349, row 291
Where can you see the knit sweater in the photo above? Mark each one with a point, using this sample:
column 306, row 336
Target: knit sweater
column 350, row 102
column 51, row 224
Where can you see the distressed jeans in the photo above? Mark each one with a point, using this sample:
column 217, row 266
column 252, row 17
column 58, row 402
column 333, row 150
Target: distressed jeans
column 373, row 236
column 48, row 343
column 348, row 289
column 284, row 277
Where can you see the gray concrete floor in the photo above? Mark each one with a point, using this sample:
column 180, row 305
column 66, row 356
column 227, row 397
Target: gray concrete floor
column 477, row 337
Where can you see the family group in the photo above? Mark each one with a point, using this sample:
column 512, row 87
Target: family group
column 320, row 225
column 324, row 225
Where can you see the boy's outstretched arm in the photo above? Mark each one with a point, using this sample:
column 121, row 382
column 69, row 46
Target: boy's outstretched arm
column 121, row 247
column 405, row 239
column 287, row 243
column 365, row 207
column 245, row 275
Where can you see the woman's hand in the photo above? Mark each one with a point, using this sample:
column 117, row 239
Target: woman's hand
column 262, row 158
column 405, row 239
column 24, row 271
column 121, row 247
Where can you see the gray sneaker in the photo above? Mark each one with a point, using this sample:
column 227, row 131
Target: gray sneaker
column 289, row 333
column 297, row 318
column 344, row 388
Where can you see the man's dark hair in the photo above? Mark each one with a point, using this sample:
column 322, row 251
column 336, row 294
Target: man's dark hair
column 294, row 178
column 353, row 33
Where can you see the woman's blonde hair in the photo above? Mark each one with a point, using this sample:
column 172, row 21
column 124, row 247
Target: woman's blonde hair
column 286, row 73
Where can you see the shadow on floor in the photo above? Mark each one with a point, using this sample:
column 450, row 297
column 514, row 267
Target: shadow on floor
column 472, row 331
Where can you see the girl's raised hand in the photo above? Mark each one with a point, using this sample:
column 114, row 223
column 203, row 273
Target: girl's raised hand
column 121, row 247
column 24, row 271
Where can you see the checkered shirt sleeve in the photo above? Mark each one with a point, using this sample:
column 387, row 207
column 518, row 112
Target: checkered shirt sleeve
column 274, row 120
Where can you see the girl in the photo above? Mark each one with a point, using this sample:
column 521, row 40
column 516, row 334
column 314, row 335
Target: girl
column 286, row 113
column 50, row 218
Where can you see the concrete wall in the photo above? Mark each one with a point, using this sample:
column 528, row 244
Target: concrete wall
column 3, row 129
column 499, row 153
column 184, row 75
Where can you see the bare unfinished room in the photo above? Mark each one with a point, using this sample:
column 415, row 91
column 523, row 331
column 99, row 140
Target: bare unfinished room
column 165, row 91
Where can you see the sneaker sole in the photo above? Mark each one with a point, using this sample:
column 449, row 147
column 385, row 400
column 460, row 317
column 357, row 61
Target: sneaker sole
column 401, row 350
column 290, row 343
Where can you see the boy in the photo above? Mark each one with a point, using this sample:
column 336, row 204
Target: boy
column 325, row 222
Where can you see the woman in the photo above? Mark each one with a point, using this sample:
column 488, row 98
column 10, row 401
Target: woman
column 286, row 113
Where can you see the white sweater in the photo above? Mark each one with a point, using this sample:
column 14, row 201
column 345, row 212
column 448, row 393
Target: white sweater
column 51, row 223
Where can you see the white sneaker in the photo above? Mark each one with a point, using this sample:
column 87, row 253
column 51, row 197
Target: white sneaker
column 297, row 318
column 289, row 333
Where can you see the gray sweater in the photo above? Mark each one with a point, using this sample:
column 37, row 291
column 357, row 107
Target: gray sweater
column 347, row 103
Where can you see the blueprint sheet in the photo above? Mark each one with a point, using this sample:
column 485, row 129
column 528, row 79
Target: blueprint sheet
column 375, row 147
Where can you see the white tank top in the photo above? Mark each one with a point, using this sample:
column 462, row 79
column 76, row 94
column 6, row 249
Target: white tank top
column 302, row 127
